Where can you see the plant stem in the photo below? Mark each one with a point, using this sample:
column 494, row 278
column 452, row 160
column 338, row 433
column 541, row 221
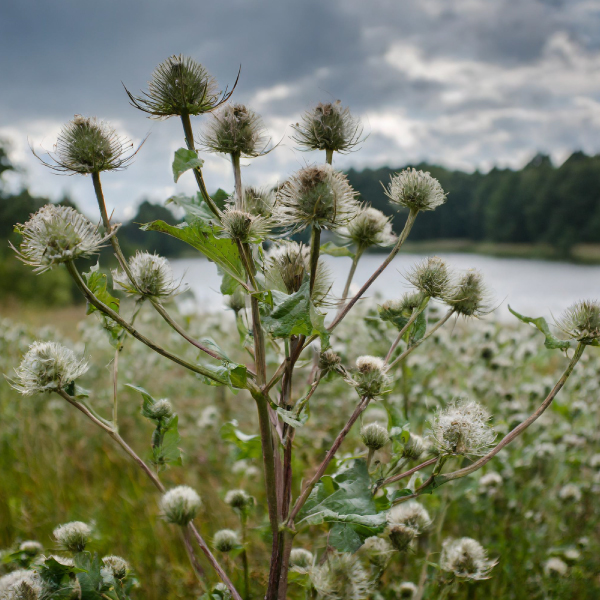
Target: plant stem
column 288, row 540
column 357, row 255
column 245, row 560
column 115, row 385
column 408, row 473
column 329, row 156
column 315, row 247
column 189, row 140
column 237, row 176
column 401, row 333
column 412, row 215
column 370, row 457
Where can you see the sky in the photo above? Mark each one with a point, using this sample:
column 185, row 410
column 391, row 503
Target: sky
column 467, row 84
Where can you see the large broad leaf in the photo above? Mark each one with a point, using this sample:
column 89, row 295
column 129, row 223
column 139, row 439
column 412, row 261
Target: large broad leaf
column 332, row 250
column 185, row 160
column 228, row 373
column 248, row 446
column 194, row 207
column 168, row 451
column 201, row 235
column 551, row 342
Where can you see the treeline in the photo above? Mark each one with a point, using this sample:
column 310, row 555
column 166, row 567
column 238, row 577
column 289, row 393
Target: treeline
column 539, row 204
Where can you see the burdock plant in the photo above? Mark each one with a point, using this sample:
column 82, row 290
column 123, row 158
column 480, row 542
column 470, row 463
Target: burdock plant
column 279, row 290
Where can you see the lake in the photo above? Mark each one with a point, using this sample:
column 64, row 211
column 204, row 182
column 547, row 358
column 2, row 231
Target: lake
column 532, row 287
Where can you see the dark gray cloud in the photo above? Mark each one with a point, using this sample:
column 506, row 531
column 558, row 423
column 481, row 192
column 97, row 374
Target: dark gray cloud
column 467, row 83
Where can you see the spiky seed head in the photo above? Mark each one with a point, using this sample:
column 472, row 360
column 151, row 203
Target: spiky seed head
column 161, row 409
column 31, row 547
column 20, row 585
column 237, row 301
column 288, row 266
column 374, row 436
column 462, row 428
column 226, row 540
column 555, row 567
column 180, row 505
column 259, row 202
column 581, row 321
column 152, row 274
column 117, row 566
column 235, row 129
column 243, row 227
column 414, row 447
column 431, row 277
column 316, row 196
column 87, row 145
column 239, row 500
column 369, row 228
column 73, row 536
column 22, row 591
column 406, row 522
column 371, row 379
column 341, row 577
column 328, row 126
column 301, row 560
column 407, row 590
column 398, row 311
column 416, row 190
column 329, row 361
column 469, row 296
column 179, row 86
column 57, row 234
column 466, row 559
column 47, row 367
column 378, row 551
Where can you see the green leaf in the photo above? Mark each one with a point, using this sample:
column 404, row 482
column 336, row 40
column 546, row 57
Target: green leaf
column 201, row 236
column 344, row 538
column 184, row 161
column 332, row 250
column 400, row 494
column 288, row 416
column 248, row 446
column 551, row 342
column 148, row 400
column 90, row 578
column 418, row 328
column 228, row 373
column 168, row 453
column 194, row 206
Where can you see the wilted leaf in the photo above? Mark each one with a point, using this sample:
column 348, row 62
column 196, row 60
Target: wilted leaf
column 551, row 342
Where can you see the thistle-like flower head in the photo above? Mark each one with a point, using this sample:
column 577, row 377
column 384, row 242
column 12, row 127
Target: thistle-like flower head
column 462, row 428
column 226, row 540
column 301, row 560
column 239, row 500
column 397, row 311
column 466, row 559
column 374, row 436
column 469, row 296
column 57, row 234
column 87, row 145
column 73, row 536
column 328, row 126
column 555, row 567
column 287, row 267
column 31, row 547
column 180, row 86
column 581, row 321
column 20, row 585
column 414, row 447
column 152, row 274
column 369, row 228
column 117, row 566
column 237, row 301
column 407, row 590
column 235, row 129
column 329, row 361
column 378, row 551
column 490, row 483
column 316, row 196
column 161, row 409
column 371, row 379
column 406, row 522
column 180, row 505
column 259, row 201
column 431, row 277
column 416, row 190
column 341, row 577
column 244, row 227
column 47, row 367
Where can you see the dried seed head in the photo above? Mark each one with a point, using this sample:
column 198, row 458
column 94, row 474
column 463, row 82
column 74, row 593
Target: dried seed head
column 57, row 234
column 226, row 540
column 179, row 86
column 161, row 409
column 316, row 196
column 431, row 277
column 287, row 267
column 259, row 202
column 371, row 379
column 469, row 296
column 374, row 436
column 416, row 190
column 329, row 361
column 180, row 505
column 236, row 129
column 31, row 547
column 406, row 522
column 73, row 536
column 399, row 311
column 239, row 499
column 341, row 577
column 244, row 227
column 462, row 428
column 407, row 590
column 117, row 566
column 152, row 274
column 581, row 321
column 466, row 559
column 301, row 560
column 369, row 228
column 555, row 567
column 378, row 551
column 328, row 126
column 414, row 447
column 20, row 585
column 47, row 367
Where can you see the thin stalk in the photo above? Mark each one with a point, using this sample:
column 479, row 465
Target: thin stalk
column 189, row 140
column 408, row 473
column 245, row 560
column 357, row 255
column 329, row 156
column 315, row 248
column 115, row 386
column 288, row 540
column 187, row 542
column 370, row 457
column 412, row 215
column 237, row 176
column 412, row 319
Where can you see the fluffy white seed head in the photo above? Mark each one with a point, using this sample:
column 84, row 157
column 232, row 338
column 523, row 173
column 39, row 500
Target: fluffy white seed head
column 555, row 567
column 581, row 321
column 462, row 428
column 490, row 483
column 301, row 560
column 73, row 536
column 414, row 447
column 371, row 377
column 378, row 551
column 239, row 499
column 374, row 436
column 570, row 493
column 369, row 228
column 31, row 547
column 55, row 235
column 47, row 367
column 117, row 566
column 226, row 540
column 259, row 202
column 405, row 522
column 244, row 227
column 469, row 296
column 316, row 196
column 161, row 409
column 407, row 590
column 416, row 190
column 152, row 274
column 432, row 277
column 341, row 577
column 180, row 505
column 466, row 559
column 20, row 585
